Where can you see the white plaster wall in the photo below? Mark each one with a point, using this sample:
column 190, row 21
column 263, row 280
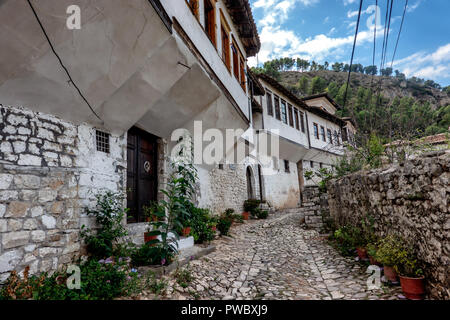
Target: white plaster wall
column 285, row 130
column 319, row 143
column 282, row 189
column 196, row 33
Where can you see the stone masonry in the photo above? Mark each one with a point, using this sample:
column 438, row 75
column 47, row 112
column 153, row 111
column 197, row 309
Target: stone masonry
column 410, row 200
column 314, row 206
column 50, row 171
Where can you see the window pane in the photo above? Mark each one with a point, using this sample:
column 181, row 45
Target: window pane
column 302, row 121
column 296, row 119
column 269, row 104
column 277, row 108
column 283, row 112
column 291, row 116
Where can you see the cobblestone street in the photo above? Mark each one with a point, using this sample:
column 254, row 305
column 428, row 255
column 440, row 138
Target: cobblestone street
column 276, row 259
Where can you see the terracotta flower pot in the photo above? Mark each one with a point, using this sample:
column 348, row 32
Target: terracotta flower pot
column 186, row 231
column 245, row 215
column 413, row 288
column 148, row 238
column 374, row 261
column 390, row 274
column 362, row 253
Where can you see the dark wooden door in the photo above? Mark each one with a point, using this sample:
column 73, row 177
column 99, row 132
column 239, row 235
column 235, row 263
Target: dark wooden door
column 142, row 179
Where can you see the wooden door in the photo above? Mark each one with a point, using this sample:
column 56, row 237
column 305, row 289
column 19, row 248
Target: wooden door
column 142, row 178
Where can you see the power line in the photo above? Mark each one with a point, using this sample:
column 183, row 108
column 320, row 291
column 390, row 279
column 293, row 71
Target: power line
column 387, row 26
column 374, row 42
column 60, row 61
column 353, row 53
column 399, row 32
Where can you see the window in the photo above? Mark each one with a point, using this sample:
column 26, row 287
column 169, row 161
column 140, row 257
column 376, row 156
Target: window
column 277, row 108
column 316, row 130
column 210, row 21
column 220, row 166
column 235, row 49
column 321, row 165
column 311, row 163
column 286, row 166
column 225, row 47
column 242, row 70
column 269, row 104
column 336, row 138
column 322, row 133
column 291, row 116
column 302, row 121
column 283, row 111
column 193, row 5
column 102, row 141
column 296, row 119
column 330, row 137
column 344, row 134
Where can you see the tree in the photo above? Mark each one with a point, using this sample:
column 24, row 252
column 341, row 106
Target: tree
column 303, row 85
column 314, row 66
column 346, row 67
column 318, row 85
column 386, row 72
column 337, row 67
column 340, row 97
column 371, row 70
column 326, row 65
column 302, row 64
column 333, row 89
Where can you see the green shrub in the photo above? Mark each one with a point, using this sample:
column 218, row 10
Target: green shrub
column 108, row 213
column 149, row 254
column 201, row 223
column 251, row 204
column 389, row 251
column 224, row 224
column 260, row 214
column 394, row 252
column 100, row 280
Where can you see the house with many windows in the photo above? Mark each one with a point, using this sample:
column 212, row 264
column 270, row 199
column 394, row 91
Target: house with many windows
column 104, row 105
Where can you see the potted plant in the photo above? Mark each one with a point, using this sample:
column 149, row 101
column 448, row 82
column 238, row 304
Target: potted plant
column 250, row 207
column 359, row 242
column 411, row 274
column 151, row 235
column 388, row 254
column 186, row 230
column 371, row 252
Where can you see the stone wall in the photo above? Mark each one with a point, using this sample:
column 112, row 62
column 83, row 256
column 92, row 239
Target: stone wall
column 410, row 200
column 314, row 206
column 224, row 188
column 50, row 171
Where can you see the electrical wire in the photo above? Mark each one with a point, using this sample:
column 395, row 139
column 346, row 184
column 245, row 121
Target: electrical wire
column 353, row 53
column 399, row 33
column 60, row 61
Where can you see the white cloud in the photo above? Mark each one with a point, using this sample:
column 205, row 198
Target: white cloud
column 278, row 41
column 426, row 65
column 414, row 6
column 347, row 2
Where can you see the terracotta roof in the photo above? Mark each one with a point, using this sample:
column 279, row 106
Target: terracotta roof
column 323, row 95
column 241, row 14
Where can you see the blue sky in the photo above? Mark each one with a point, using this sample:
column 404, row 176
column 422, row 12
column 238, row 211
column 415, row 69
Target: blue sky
column 323, row 30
